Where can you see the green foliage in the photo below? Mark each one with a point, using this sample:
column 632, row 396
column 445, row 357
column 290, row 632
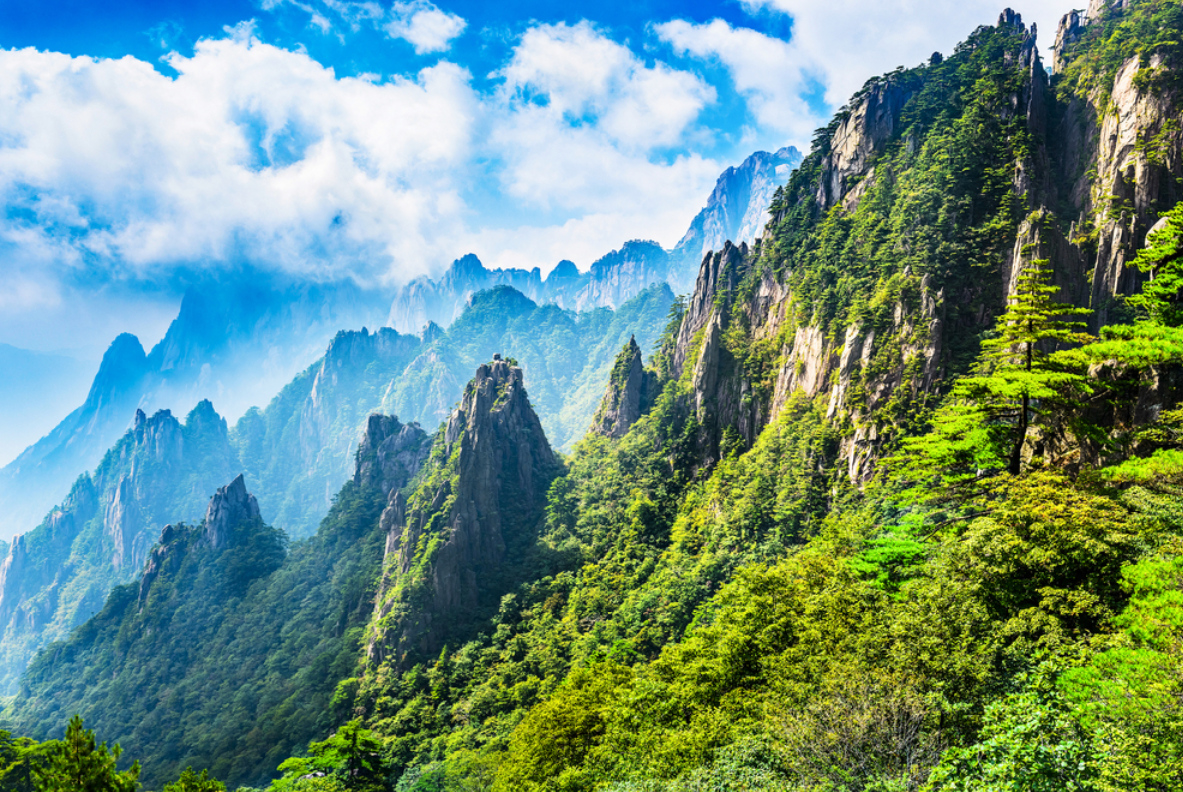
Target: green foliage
column 351, row 757
column 1161, row 298
column 232, row 660
column 1121, row 33
column 76, row 764
column 982, row 429
column 195, row 782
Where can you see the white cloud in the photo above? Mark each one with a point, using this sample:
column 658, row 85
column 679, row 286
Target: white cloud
column 424, row 25
column 768, row 72
column 251, row 152
column 111, row 170
column 578, row 122
column 850, row 41
column 838, row 45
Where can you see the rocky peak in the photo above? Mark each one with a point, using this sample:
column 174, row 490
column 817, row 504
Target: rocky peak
column 737, row 208
column 485, row 495
column 720, row 272
column 230, row 507
column 164, row 550
column 466, row 272
column 390, row 453
column 860, row 136
column 124, row 365
column 160, row 438
column 564, row 270
column 431, row 333
column 1069, row 31
column 630, row 390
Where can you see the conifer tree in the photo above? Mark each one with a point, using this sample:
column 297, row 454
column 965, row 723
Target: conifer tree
column 1161, row 299
column 77, row 764
column 984, row 425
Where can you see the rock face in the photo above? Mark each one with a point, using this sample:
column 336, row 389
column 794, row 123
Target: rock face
column 390, row 453
column 479, row 504
column 1089, row 158
column 58, row 575
column 737, row 209
column 630, row 392
column 230, row 508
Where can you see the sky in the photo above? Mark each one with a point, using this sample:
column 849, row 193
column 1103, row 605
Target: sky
column 145, row 144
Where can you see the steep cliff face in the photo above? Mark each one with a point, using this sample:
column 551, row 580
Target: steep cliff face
column 390, row 454
column 737, row 209
column 58, row 574
column 839, row 303
column 631, row 390
column 230, row 507
column 477, row 507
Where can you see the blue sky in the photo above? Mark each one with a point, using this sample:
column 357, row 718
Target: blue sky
column 143, row 144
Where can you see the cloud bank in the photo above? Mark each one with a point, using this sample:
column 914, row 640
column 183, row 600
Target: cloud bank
column 112, row 172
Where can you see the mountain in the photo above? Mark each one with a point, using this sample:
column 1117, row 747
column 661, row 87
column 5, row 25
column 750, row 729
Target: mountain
column 235, row 341
column 453, row 545
column 56, row 576
column 300, row 447
column 226, row 608
column 299, row 450
column 892, row 504
column 239, row 338
column 737, row 209
column 611, row 281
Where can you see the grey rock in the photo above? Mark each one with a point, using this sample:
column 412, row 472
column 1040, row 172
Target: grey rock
column 231, row 508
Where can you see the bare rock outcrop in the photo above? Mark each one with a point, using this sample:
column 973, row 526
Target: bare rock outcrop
column 390, row 453
column 478, row 507
column 230, row 508
column 631, row 389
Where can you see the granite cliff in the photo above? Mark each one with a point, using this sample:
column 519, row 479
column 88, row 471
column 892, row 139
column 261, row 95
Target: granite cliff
column 58, row 575
column 451, row 544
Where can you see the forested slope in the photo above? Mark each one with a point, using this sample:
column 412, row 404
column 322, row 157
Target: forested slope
column 894, row 504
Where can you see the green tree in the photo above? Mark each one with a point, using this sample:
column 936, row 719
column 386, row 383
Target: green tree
column 18, row 755
column 1161, row 298
column 352, row 756
column 1023, row 370
column 77, row 764
column 195, row 782
column 984, row 426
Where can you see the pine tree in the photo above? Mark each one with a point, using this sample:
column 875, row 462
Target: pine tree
column 985, row 423
column 1022, row 372
column 77, row 764
column 1161, row 299
column 191, row 781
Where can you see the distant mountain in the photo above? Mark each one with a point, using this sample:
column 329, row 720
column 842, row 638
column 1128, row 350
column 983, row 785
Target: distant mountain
column 610, row 282
column 238, row 340
column 300, row 448
column 298, row 451
column 58, row 575
column 737, row 209
column 235, row 341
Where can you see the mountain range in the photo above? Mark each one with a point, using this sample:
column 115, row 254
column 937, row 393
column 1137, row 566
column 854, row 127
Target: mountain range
column 239, row 338
column 888, row 502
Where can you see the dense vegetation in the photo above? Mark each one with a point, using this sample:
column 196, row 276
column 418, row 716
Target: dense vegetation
column 1000, row 607
column 566, row 357
column 229, row 661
